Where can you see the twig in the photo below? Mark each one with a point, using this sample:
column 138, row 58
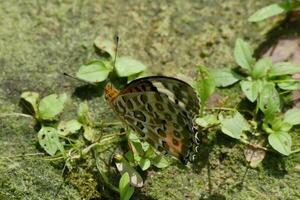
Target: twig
column 15, row 115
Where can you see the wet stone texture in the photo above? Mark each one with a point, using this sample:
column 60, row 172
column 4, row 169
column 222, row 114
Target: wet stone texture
column 39, row 40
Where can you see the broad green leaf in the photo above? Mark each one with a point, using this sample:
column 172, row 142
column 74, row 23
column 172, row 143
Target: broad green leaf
column 49, row 141
column 160, row 162
column 266, row 12
column 281, row 142
column 207, row 120
column 32, row 98
column 68, row 127
column 144, row 163
column 126, row 66
column 283, row 68
column 269, row 101
column 83, row 113
column 261, row 68
column 234, row 126
column 243, row 55
column 225, row 77
column 126, row 190
column 292, row 116
column 52, row 105
column 90, row 134
column 251, row 89
column 206, row 85
column 106, row 46
column 288, row 83
column 124, row 167
column 95, row 71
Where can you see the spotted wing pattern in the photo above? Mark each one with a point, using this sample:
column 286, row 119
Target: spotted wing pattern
column 161, row 110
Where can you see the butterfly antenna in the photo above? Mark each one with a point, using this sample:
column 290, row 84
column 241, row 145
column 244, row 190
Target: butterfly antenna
column 78, row 79
column 117, row 45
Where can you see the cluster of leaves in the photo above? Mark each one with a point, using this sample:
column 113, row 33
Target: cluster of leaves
column 275, row 9
column 141, row 154
column 56, row 135
column 110, row 67
column 264, row 84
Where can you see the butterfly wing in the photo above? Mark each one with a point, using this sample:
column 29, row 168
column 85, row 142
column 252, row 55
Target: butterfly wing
column 161, row 110
column 179, row 92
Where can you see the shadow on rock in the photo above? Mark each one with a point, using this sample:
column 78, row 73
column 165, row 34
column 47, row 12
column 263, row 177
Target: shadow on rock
column 87, row 92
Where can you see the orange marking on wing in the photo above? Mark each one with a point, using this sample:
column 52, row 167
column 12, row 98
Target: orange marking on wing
column 111, row 93
column 174, row 149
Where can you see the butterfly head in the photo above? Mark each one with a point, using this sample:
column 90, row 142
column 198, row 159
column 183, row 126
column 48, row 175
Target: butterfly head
column 110, row 92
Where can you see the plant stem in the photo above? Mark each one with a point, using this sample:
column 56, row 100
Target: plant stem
column 221, row 108
column 15, row 115
column 296, row 151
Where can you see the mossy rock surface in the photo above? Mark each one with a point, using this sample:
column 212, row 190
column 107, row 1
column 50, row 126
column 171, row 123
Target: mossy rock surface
column 39, row 40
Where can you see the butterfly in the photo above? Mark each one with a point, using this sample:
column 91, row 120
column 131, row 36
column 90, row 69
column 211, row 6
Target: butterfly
column 161, row 110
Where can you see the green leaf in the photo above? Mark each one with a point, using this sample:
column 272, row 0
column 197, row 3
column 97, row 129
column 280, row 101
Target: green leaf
column 283, row 68
column 136, row 145
column 66, row 128
column 150, row 152
column 49, row 141
column 288, row 83
column 124, row 167
column 52, row 105
column 234, row 126
column 126, row 190
column 106, row 46
column 266, row 12
column 144, row 163
column 243, row 55
column 269, row 101
column 90, row 134
column 281, row 142
column 207, row 120
column 278, row 124
column 206, row 85
column 126, row 66
column 292, row 116
column 160, row 162
column 251, row 89
column 225, row 77
column 32, row 98
column 129, row 156
column 83, row 113
column 95, row 71
column 261, row 68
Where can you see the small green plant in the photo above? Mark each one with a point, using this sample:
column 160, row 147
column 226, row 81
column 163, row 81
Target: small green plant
column 108, row 68
column 264, row 84
column 285, row 6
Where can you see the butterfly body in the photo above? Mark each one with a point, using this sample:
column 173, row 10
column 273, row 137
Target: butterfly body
column 160, row 109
